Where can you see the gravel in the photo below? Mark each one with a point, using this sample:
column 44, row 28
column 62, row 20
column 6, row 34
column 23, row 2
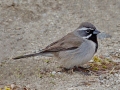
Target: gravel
column 27, row 26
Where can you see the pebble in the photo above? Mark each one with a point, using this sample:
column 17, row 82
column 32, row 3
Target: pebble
column 59, row 73
column 12, row 86
column 102, row 81
column 114, row 87
column 104, row 35
column 53, row 72
column 101, row 77
column 119, row 50
column 119, row 77
column 116, row 75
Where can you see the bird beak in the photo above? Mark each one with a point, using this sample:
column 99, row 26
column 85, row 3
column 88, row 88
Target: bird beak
column 96, row 32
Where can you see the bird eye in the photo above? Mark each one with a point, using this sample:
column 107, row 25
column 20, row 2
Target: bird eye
column 87, row 31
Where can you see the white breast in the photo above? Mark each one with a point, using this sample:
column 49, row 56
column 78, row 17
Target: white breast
column 79, row 56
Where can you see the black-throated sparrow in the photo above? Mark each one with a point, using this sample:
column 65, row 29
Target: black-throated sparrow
column 74, row 49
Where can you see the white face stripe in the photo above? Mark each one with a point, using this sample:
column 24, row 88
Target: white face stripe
column 84, row 28
column 86, row 37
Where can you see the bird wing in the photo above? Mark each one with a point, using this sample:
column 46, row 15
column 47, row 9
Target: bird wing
column 68, row 42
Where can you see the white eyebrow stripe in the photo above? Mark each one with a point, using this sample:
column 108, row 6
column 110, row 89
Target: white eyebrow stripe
column 84, row 28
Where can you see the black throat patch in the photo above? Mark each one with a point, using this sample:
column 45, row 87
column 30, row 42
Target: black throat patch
column 94, row 39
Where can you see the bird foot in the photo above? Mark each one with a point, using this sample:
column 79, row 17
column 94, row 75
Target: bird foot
column 79, row 69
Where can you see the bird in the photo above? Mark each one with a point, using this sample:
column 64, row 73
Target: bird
column 74, row 49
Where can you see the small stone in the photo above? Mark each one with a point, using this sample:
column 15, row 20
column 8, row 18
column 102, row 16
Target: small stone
column 104, row 35
column 101, row 77
column 107, row 85
column 102, row 82
column 12, row 86
column 116, row 75
column 119, row 76
column 36, row 58
column 53, row 72
column 111, row 79
column 93, row 88
column 28, row 86
column 59, row 72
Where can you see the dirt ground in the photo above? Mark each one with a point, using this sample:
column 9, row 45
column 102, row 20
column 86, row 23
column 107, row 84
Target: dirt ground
column 29, row 25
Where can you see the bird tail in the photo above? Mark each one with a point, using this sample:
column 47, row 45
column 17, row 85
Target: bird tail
column 28, row 55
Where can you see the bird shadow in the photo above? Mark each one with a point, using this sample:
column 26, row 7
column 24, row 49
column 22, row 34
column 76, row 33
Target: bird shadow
column 81, row 70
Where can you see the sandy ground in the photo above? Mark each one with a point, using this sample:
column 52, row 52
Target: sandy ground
column 29, row 25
